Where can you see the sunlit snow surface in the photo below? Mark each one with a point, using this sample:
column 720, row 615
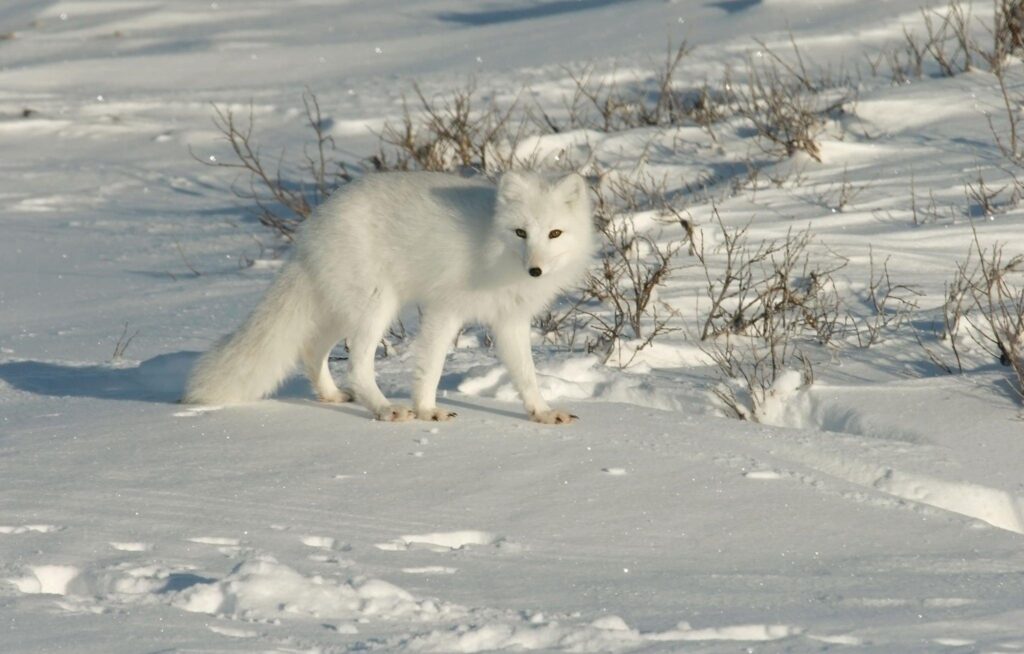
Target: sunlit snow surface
column 880, row 509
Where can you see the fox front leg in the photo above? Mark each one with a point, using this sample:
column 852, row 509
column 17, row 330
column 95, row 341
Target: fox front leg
column 513, row 341
column 436, row 333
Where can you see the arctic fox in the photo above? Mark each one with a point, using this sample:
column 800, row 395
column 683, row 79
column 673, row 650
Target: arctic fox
column 463, row 250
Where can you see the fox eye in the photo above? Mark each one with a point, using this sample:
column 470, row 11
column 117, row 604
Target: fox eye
column 554, row 233
column 521, row 233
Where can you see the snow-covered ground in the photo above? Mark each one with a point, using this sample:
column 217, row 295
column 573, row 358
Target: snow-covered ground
column 879, row 509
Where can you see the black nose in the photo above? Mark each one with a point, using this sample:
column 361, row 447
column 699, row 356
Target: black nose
column 535, row 272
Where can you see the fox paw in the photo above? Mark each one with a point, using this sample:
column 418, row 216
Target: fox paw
column 553, row 417
column 435, row 414
column 395, row 413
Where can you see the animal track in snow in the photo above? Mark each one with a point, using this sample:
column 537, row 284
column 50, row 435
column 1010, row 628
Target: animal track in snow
column 343, row 628
column 836, row 639
column 27, row 529
column 330, row 558
column 196, row 411
column 344, row 477
column 325, row 543
column 762, row 474
column 46, row 579
column 131, row 547
column 953, row 642
column 231, row 631
column 441, row 541
column 80, row 605
column 215, row 540
column 430, row 570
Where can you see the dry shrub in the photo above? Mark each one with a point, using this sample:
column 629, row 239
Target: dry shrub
column 599, row 104
column 947, row 45
column 1007, row 33
column 749, row 369
column 948, row 41
column 282, row 202
column 633, row 265
column 763, row 303
column 890, row 306
column 788, row 110
column 786, row 104
column 767, row 288
column 985, row 303
column 123, row 341
column 769, row 304
column 457, row 131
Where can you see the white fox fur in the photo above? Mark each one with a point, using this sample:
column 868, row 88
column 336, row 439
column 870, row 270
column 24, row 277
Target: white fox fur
column 462, row 249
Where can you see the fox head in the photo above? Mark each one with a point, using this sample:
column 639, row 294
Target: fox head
column 547, row 223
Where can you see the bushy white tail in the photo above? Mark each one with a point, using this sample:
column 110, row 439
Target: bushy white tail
column 252, row 362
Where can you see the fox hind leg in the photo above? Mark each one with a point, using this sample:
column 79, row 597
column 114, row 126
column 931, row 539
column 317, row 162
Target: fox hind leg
column 315, row 357
column 378, row 313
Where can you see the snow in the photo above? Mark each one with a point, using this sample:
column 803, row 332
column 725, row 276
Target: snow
column 877, row 507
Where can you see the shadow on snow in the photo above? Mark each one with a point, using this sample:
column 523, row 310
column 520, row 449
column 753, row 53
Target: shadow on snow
column 160, row 379
column 495, row 16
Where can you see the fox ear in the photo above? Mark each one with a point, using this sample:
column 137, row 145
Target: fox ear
column 513, row 186
column 573, row 188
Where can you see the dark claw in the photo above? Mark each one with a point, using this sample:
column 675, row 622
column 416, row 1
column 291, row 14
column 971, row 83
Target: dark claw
column 574, row 417
column 558, row 420
column 452, row 414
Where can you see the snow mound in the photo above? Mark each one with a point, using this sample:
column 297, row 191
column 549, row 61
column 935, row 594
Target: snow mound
column 772, row 410
column 869, row 418
column 577, row 378
column 263, row 589
column 257, row 590
column 642, row 356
